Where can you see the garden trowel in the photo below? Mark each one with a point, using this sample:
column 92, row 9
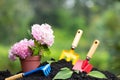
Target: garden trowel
column 83, row 65
column 70, row 54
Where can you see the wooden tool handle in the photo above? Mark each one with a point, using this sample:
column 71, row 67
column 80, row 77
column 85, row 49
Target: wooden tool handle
column 15, row 77
column 77, row 38
column 93, row 48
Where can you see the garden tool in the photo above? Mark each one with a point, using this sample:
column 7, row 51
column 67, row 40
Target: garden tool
column 45, row 69
column 71, row 55
column 83, row 65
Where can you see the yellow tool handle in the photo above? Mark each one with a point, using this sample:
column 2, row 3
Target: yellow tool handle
column 15, row 77
column 93, row 48
column 77, row 38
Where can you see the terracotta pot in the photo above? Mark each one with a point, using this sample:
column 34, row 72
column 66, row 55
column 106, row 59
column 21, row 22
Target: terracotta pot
column 30, row 63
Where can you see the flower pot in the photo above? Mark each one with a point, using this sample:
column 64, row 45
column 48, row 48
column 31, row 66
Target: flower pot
column 30, row 63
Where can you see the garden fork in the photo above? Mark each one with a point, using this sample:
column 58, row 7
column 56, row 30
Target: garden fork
column 70, row 54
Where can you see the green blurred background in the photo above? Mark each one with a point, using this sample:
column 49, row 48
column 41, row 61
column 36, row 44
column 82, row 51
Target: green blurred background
column 99, row 19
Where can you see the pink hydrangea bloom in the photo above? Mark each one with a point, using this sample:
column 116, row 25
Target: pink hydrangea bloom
column 21, row 49
column 43, row 34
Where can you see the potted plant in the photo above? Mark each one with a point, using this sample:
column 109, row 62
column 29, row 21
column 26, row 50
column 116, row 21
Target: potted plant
column 30, row 51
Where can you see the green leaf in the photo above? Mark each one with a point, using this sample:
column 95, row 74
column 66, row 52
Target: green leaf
column 65, row 68
column 46, row 49
column 50, row 61
column 29, row 32
column 97, row 74
column 65, row 73
column 77, row 71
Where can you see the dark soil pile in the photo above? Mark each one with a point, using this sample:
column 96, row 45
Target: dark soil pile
column 56, row 66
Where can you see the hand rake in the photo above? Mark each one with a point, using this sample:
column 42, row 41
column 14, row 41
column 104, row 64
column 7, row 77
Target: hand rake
column 45, row 69
column 71, row 55
column 83, row 65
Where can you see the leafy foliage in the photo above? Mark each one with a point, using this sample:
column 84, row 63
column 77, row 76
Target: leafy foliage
column 15, row 16
column 97, row 74
column 65, row 73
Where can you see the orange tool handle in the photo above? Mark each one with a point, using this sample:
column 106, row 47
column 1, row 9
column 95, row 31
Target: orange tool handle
column 93, row 48
column 77, row 38
column 15, row 77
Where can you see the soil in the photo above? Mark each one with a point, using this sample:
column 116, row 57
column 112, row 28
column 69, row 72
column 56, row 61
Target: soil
column 56, row 66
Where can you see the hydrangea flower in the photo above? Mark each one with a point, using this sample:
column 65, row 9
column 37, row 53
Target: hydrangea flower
column 43, row 34
column 21, row 49
column 43, row 38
